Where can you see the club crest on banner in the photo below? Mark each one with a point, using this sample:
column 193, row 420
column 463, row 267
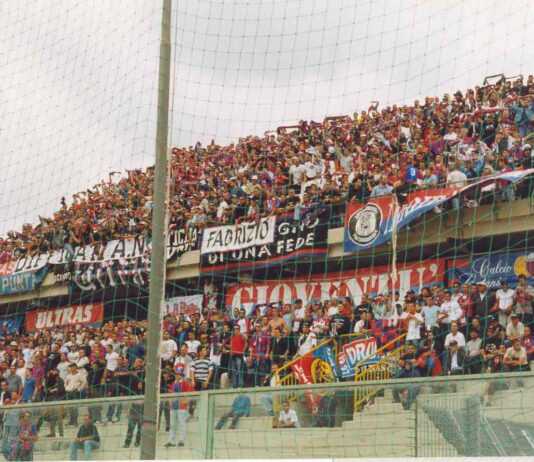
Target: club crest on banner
column 364, row 225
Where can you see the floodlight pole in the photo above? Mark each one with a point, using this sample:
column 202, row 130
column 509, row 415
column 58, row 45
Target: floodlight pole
column 159, row 246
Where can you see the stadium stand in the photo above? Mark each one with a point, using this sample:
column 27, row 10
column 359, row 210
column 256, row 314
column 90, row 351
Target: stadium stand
column 433, row 328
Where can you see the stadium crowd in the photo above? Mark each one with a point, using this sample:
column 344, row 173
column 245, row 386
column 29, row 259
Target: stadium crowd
column 213, row 348
column 395, row 149
column 464, row 329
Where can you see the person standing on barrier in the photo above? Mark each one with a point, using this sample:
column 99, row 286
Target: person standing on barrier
column 96, row 381
column 76, row 388
column 406, row 394
column 86, row 439
column 27, row 436
column 11, row 426
column 112, row 383
column 135, row 418
column 54, row 391
column 164, row 406
column 179, row 412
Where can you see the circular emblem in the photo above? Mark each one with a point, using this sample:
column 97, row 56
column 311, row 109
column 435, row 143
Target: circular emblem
column 364, row 225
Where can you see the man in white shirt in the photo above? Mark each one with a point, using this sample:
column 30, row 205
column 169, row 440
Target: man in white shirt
column 112, row 359
column 192, row 344
column 504, row 303
column 456, row 178
column 288, row 417
column 455, row 335
column 306, row 341
column 297, row 172
column 182, row 363
column 515, row 328
column 168, row 347
column 515, row 358
column 75, row 388
column 450, row 311
column 82, row 362
column 299, row 315
column 413, row 322
column 243, row 322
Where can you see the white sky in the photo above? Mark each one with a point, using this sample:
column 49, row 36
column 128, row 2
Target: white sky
column 78, row 79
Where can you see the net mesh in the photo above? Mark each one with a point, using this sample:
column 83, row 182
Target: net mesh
column 326, row 180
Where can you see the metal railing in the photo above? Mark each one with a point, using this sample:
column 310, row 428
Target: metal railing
column 435, row 423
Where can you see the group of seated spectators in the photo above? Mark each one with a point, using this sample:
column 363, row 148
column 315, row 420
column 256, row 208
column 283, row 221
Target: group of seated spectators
column 438, row 141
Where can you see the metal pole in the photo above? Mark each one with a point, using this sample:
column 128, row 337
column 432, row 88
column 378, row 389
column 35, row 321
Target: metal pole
column 159, row 245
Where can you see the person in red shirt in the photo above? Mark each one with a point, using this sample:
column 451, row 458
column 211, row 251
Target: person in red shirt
column 238, row 345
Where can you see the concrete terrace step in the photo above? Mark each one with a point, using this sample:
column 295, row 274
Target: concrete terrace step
column 105, row 453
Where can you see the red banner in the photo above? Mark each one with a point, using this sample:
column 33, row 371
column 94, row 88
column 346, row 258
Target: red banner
column 66, row 316
column 346, row 284
column 302, row 369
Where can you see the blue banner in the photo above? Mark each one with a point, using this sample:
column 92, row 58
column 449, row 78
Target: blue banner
column 326, row 354
column 359, row 352
column 492, row 269
column 11, row 325
column 22, row 282
column 372, row 224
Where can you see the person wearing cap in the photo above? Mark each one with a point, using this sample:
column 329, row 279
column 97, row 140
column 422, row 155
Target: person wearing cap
column 515, row 328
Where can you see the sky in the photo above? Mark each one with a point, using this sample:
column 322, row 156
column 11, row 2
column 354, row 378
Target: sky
column 78, row 78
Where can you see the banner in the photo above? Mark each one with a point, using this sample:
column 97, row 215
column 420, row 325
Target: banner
column 179, row 241
column 351, row 284
column 109, row 273
column 10, row 325
column 22, row 282
column 492, row 268
column 355, row 352
column 186, row 305
column 305, row 372
column 371, row 224
column 237, row 237
column 291, row 238
column 91, row 314
column 130, row 264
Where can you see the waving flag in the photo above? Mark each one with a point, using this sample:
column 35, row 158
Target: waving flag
column 371, row 224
